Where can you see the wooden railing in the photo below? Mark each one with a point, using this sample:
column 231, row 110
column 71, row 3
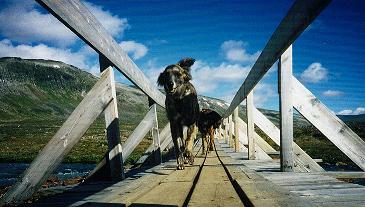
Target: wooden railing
column 234, row 131
column 292, row 94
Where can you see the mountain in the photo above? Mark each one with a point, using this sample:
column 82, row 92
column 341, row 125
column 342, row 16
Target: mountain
column 45, row 89
column 37, row 96
column 352, row 118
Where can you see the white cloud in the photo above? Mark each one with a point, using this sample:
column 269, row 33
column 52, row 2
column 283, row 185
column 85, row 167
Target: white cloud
column 207, row 78
column 314, row 73
column 264, row 92
column 134, row 49
column 41, row 51
column 357, row 111
column 23, row 22
column 235, row 51
column 112, row 23
column 333, row 93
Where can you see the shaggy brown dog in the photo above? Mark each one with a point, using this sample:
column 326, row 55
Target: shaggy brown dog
column 209, row 120
column 182, row 107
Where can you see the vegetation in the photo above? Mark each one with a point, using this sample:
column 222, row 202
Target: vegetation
column 37, row 96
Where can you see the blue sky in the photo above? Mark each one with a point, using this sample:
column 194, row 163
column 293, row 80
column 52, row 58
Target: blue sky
column 225, row 37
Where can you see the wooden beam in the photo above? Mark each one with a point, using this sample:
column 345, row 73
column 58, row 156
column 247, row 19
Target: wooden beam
column 62, row 142
column 250, row 127
column 286, row 111
column 303, row 162
column 231, row 131
column 156, row 139
column 299, row 17
column 236, row 132
column 74, row 15
column 165, row 139
column 225, row 134
column 328, row 123
column 259, row 140
column 112, row 126
column 220, row 132
column 138, row 133
column 261, row 148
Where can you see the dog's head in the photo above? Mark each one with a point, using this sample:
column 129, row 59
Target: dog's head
column 175, row 75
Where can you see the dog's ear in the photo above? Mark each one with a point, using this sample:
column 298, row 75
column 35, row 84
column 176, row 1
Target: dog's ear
column 186, row 63
column 161, row 79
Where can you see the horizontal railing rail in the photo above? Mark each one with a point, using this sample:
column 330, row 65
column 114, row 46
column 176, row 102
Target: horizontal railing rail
column 299, row 17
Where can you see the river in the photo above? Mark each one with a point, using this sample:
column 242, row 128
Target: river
column 9, row 172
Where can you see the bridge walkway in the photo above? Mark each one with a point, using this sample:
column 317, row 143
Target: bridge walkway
column 319, row 189
column 214, row 180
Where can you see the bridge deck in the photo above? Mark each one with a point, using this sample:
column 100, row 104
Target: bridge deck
column 224, row 180
column 319, row 189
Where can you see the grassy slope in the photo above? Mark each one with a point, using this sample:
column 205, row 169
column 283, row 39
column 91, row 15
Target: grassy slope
column 37, row 96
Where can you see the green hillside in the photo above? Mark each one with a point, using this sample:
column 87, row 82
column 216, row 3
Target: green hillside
column 37, row 96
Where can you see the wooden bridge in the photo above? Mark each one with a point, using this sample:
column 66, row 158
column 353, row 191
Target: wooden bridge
column 239, row 173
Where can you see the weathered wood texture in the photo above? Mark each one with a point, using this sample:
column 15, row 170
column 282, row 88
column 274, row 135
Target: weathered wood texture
column 301, row 14
column 236, row 131
column 165, row 139
column 112, row 126
column 328, row 123
column 254, row 188
column 139, row 133
column 62, row 142
column 259, row 140
column 220, row 132
column 303, row 162
column 250, row 127
column 83, row 23
column 230, row 131
column 225, row 131
column 286, row 110
column 261, row 146
column 156, row 138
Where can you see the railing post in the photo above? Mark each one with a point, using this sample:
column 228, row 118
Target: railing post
column 112, row 128
column 231, row 128
column 225, row 131
column 157, row 157
column 236, row 130
column 286, row 111
column 250, row 127
column 220, row 132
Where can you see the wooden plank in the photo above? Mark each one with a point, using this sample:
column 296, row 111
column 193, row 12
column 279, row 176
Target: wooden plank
column 165, row 139
column 236, row 131
column 156, row 138
column 250, row 127
column 230, row 132
column 138, row 133
column 178, row 184
column 63, row 141
column 214, row 187
column 344, row 174
column 303, row 162
column 259, row 141
column 112, row 126
column 299, row 17
column 225, row 122
column 220, row 132
column 328, row 123
column 256, row 190
column 74, row 15
column 286, row 111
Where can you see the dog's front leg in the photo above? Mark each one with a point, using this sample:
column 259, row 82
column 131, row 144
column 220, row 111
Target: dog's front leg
column 175, row 133
column 191, row 134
